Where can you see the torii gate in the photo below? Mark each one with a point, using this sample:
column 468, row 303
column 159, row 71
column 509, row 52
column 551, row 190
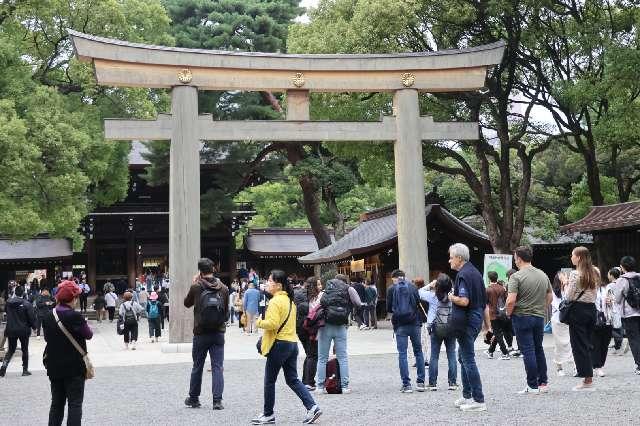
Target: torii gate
column 184, row 71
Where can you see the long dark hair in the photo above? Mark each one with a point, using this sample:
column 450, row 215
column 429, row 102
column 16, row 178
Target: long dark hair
column 311, row 285
column 557, row 285
column 443, row 287
column 280, row 277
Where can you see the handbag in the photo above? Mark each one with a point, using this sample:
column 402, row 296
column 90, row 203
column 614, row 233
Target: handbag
column 259, row 342
column 90, row 372
column 564, row 309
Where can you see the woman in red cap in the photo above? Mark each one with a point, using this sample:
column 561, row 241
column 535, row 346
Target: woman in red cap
column 64, row 363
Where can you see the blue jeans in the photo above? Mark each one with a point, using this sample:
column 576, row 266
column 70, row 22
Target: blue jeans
column 403, row 334
column 283, row 355
column 337, row 333
column 530, row 332
column 450, row 346
column 471, row 383
column 213, row 343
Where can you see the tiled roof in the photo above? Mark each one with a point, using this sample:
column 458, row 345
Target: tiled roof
column 378, row 229
column 281, row 242
column 612, row 217
column 35, row 248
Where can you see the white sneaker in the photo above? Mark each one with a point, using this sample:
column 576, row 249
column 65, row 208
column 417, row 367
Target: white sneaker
column 529, row 391
column 625, row 345
column 462, row 401
column 363, row 327
column 37, row 337
column 133, row 345
column 312, row 415
column 264, row 420
column 126, row 346
column 561, row 373
column 489, row 354
column 599, row 372
column 474, row 406
column 346, row 391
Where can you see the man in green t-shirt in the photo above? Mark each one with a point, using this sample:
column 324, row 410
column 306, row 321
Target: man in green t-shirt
column 528, row 299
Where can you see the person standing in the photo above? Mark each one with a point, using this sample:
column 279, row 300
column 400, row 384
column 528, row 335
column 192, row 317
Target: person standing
column 64, row 364
column 562, row 356
column 306, row 298
column 232, row 300
column 581, row 289
column 111, row 298
column 99, row 304
column 44, row 303
column 437, row 320
column 130, row 312
column 143, row 297
column 251, row 303
column 530, row 295
column 617, row 331
column 358, row 311
column 497, row 300
column 337, row 300
column 603, row 330
column 280, row 345
column 84, row 296
column 468, row 314
column 626, row 293
column 210, row 301
column 402, row 303
column 371, row 301
column 20, row 321
column 154, row 313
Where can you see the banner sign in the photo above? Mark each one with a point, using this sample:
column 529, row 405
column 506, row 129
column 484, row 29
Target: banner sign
column 499, row 263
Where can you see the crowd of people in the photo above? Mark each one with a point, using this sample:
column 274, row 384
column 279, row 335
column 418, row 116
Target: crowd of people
column 586, row 315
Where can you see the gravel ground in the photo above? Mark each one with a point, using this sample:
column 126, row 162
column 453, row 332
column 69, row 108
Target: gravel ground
column 154, row 395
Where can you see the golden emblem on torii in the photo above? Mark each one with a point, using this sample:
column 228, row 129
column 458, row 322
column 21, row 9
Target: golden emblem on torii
column 185, row 76
column 298, row 79
column 408, row 79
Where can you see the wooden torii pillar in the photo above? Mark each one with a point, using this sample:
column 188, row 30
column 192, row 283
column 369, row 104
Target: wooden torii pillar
column 185, row 71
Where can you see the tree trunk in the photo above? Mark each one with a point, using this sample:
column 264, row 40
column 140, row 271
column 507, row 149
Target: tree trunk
column 593, row 171
column 338, row 217
column 310, row 199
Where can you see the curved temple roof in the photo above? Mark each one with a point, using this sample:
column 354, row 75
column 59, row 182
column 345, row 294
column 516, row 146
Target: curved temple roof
column 119, row 62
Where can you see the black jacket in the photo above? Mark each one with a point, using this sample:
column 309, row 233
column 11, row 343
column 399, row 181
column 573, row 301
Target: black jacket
column 61, row 358
column 44, row 304
column 193, row 299
column 20, row 317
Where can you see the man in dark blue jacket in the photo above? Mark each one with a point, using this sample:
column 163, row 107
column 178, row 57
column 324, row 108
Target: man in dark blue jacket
column 402, row 302
column 20, row 321
column 468, row 314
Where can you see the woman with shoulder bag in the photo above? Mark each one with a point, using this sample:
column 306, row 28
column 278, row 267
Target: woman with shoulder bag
column 279, row 344
column 581, row 290
column 65, row 364
column 603, row 328
column 562, row 356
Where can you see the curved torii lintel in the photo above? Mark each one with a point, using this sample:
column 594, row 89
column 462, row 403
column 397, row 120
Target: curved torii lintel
column 120, row 63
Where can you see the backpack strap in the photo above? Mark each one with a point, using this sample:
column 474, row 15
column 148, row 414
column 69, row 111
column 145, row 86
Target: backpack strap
column 286, row 319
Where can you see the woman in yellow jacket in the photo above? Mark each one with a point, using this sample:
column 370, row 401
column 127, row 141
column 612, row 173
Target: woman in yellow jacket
column 280, row 346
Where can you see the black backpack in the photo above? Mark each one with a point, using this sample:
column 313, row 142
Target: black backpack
column 212, row 308
column 336, row 303
column 302, row 309
column 501, row 307
column 633, row 294
column 440, row 325
column 130, row 317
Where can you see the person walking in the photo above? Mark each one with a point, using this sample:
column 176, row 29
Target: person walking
column 99, row 304
column 238, row 308
column 84, row 295
column 337, row 300
column 305, row 298
column 358, row 311
column 279, row 345
column 402, row 303
column 64, row 364
column 439, row 330
column 210, row 301
column 497, row 300
column 530, row 295
column 562, row 355
column 581, row 289
column 130, row 312
column 627, row 293
column 111, row 298
column 620, row 345
column 44, row 303
column 371, row 302
column 250, row 307
column 143, row 297
column 233, row 296
column 603, row 329
column 468, row 314
column 154, row 314
column 20, row 321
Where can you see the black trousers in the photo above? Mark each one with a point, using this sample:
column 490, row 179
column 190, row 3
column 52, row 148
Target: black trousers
column 130, row 333
column 499, row 326
column 508, row 333
column 24, row 347
column 83, row 302
column 583, row 319
column 310, row 362
column 632, row 328
column 600, row 345
column 67, row 390
column 111, row 310
column 618, row 336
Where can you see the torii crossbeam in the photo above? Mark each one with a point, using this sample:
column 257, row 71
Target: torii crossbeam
column 185, row 71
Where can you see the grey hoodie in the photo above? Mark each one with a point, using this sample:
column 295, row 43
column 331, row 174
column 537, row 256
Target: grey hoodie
column 620, row 288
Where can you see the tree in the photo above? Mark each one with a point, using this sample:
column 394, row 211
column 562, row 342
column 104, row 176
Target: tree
column 58, row 166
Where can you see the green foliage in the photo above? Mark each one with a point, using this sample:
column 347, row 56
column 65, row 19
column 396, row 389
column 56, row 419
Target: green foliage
column 57, row 165
column 581, row 200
